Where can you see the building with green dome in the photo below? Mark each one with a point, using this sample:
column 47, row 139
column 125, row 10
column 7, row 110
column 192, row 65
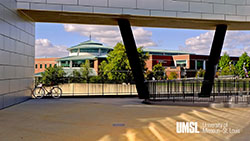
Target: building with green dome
column 89, row 50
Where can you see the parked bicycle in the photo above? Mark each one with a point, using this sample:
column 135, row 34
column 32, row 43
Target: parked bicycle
column 40, row 91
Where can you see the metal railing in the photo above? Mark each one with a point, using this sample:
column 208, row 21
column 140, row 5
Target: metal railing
column 236, row 90
column 73, row 88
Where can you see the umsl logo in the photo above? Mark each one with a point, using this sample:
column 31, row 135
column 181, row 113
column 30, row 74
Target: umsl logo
column 187, row 127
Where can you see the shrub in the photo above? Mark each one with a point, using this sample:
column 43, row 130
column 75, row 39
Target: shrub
column 200, row 73
column 172, row 76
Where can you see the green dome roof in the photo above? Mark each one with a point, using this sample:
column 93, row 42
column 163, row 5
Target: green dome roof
column 89, row 44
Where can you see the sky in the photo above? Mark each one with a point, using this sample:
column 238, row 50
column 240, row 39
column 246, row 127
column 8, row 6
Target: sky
column 52, row 40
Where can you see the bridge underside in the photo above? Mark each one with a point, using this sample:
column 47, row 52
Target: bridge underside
column 126, row 21
column 143, row 21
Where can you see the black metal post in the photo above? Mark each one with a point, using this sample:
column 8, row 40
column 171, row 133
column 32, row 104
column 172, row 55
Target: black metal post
column 213, row 60
column 133, row 57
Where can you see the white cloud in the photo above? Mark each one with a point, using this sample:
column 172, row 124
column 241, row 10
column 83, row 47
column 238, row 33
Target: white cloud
column 236, row 43
column 44, row 48
column 110, row 35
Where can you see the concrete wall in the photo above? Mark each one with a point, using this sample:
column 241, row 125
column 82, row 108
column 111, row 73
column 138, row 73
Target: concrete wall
column 17, row 39
column 231, row 10
column 74, row 89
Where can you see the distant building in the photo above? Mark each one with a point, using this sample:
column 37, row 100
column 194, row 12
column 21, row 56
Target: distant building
column 42, row 63
column 183, row 63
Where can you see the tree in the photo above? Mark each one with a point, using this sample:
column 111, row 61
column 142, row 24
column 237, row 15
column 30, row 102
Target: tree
column 172, row 76
column 158, row 71
column 224, row 61
column 101, row 72
column 86, row 70
column 76, row 77
column 228, row 70
column 52, row 76
column 244, row 58
column 117, row 67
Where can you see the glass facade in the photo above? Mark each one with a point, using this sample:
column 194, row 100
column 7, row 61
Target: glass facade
column 65, row 63
column 77, row 63
column 74, row 50
column 89, row 50
column 181, row 63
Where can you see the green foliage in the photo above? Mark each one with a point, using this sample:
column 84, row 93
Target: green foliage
column 172, row 76
column 95, row 79
column 200, row 73
column 244, row 58
column 86, row 71
column 228, row 70
column 149, row 75
column 224, row 61
column 158, row 71
column 52, row 76
column 76, row 77
column 143, row 58
column 117, row 67
column 101, row 72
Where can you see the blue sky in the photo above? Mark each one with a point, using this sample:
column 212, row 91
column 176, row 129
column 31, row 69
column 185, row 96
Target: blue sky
column 57, row 37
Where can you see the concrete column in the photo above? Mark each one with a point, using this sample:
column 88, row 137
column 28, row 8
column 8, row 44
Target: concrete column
column 70, row 63
column 195, row 66
column 133, row 57
column 213, row 60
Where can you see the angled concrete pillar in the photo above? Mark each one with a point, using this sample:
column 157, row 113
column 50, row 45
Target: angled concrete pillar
column 133, row 57
column 213, row 60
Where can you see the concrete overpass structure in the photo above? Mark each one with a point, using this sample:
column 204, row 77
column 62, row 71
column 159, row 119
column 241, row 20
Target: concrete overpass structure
column 18, row 17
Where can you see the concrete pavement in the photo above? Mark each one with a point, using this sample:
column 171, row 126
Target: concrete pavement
column 106, row 119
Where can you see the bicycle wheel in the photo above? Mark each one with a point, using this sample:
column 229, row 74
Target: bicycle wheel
column 38, row 92
column 56, row 92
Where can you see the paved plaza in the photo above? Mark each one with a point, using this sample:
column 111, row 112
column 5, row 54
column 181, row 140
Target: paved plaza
column 113, row 119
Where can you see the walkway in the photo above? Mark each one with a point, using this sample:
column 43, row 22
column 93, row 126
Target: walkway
column 113, row 119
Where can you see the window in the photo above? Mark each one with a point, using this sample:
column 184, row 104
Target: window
column 36, row 66
column 65, row 63
column 91, row 63
column 200, row 64
column 55, row 65
column 41, row 66
column 89, row 50
column 50, row 65
column 77, row 63
column 181, row 63
column 104, row 50
column 45, row 66
column 74, row 50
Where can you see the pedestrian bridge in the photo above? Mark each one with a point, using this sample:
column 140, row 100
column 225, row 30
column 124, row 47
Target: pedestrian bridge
column 193, row 14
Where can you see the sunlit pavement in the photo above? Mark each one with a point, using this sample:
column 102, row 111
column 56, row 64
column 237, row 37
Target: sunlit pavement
column 107, row 119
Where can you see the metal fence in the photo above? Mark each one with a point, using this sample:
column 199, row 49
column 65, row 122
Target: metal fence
column 236, row 90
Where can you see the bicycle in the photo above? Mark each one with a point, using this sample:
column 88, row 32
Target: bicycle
column 39, row 91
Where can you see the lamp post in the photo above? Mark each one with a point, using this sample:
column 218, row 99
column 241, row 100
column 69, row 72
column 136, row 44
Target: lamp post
column 230, row 65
